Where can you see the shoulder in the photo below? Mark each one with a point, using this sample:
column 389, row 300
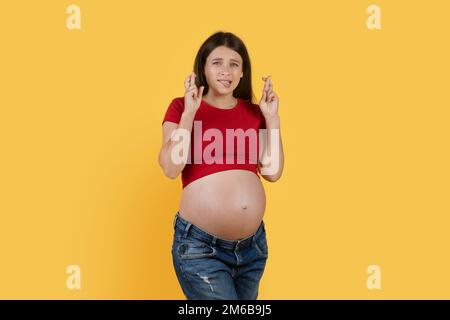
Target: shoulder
column 177, row 102
column 176, row 105
column 252, row 107
column 255, row 112
column 249, row 104
column 174, row 110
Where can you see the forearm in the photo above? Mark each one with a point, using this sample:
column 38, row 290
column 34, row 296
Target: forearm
column 166, row 157
column 276, row 156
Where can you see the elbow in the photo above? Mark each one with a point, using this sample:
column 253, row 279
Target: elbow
column 169, row 173
column 275, row 176
column 273, row 170
column 272, row 178
column 167, row 169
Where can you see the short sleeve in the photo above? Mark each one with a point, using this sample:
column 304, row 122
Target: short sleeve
column 174, row 111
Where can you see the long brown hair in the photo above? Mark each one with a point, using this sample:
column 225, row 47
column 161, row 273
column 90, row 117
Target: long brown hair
column 228, row 39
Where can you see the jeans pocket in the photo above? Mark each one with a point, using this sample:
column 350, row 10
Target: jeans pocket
column 195, row 250
column 261, row 245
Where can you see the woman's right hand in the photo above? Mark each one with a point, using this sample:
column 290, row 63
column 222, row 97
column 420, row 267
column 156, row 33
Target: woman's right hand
column 193, row 95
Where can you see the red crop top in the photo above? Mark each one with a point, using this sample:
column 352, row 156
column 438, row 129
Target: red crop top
column 211, row 148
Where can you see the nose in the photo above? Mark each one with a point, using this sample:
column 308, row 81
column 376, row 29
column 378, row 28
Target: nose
column 225, row 70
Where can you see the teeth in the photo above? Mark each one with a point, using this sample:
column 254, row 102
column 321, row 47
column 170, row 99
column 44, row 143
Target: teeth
column 225, row 82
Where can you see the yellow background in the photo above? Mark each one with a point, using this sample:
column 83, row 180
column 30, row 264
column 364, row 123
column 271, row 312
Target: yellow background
column 364, row 120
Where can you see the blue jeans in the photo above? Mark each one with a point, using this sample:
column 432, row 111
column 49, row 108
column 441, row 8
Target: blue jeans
column 210, row 268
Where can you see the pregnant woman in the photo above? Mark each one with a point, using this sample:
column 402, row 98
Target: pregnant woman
column 219, row 247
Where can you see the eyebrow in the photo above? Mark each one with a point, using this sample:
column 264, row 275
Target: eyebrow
column 222, row 59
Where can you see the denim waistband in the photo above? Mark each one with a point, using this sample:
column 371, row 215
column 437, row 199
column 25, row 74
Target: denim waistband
column 186, row 227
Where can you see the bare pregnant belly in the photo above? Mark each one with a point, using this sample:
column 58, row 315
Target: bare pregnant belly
column 228, row 204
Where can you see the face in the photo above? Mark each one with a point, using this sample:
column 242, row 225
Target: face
column 223, row 70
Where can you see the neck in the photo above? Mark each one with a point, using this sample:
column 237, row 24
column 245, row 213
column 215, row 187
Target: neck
column 220, row 101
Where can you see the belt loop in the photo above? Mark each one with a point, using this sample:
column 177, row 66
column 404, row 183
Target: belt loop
column 236, row 245
column 214, row 240
column 186, row 230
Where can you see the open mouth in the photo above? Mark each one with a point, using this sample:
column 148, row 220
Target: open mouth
column 225, row 83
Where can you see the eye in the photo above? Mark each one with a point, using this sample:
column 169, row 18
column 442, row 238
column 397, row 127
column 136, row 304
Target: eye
column 215, row 62
column 235, row 64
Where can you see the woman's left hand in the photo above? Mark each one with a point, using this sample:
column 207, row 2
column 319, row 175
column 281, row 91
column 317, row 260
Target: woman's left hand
column 269, row 100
